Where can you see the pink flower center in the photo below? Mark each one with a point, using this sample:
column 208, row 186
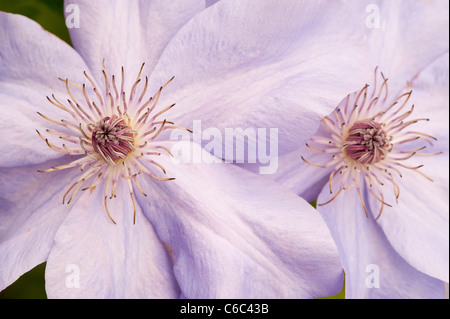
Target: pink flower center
column 112, row 138
column 366, row 142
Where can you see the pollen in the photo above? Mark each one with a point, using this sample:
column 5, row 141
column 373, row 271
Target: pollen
column 111, row 134
column 368, row 142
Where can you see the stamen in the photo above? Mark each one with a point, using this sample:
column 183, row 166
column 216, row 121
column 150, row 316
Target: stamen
column 312, row 164
column 332, row 199
column 107, row 210
column 362, row 201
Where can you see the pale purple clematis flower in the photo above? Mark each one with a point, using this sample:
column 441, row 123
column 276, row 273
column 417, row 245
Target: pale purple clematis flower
column 378, row 165
column 132, row 222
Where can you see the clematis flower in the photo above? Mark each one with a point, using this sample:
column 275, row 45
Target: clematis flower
column 378, row 164
column 88, row 183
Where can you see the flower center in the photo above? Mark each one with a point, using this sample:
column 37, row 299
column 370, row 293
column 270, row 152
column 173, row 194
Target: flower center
column 112, row 138
column 110, row 129
column 369, row 142
column 366, row 142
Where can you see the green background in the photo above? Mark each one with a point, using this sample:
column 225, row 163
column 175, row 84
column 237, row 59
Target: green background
column 49, row 14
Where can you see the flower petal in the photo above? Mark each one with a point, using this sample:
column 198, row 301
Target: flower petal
column 372, row 267
column 31, row 211
column 403, row 27
column 430, row 97
column 303, row 170
column 234, row 234
column 31, row 61
column 126, row 33
column 94, row 258
column 248, row 64
column 418, row 226
column 210, row 2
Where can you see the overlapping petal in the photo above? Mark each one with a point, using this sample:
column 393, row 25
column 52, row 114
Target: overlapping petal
column 230, row 239
column 31, row 213
column 262, row 64
column 127, row 33
column 302, row 170
column 31, row 61
column 94, row 258
column 373, row 269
